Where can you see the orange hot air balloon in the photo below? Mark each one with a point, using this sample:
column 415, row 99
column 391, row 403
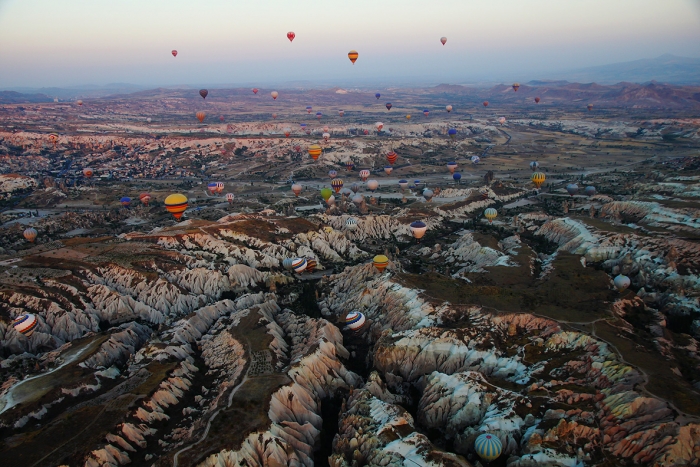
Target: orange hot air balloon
column 53, row 137
column 516, row 86
column 176, row 204
column 203, row 93
column 174, row 52
column 443, row 40
column 87, row 172
column 352, row 55
column 537, row 100
column 201, row 116
column 486, row 103
column 291, row 36
column 274, row 94
column 145, row 198
column 315, row 151
column 391, row 157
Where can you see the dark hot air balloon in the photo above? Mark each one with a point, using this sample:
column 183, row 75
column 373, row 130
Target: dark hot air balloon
column 204, row 93
column 388, row 106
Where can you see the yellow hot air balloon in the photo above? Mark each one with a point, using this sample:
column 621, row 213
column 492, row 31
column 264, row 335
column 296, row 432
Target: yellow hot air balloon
column 538, row 179
column 315, row 151
column 176, row 204
column 490, row 214
column 380, row 262
column 352, row 55
column 408, row 117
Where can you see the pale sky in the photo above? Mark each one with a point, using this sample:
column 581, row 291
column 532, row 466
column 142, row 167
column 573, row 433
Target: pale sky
column 76, row 42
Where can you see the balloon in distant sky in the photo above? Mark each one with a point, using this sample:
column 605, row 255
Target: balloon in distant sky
column 452, row 132
column 486, row 103
column 355, row 187
column 589, row 107
column 319, row 115
column 274, row 94
column 534, row 165
column 475, row 159
column 349, row 165
column 537, row 100
column 428, row 194
column 308, row 109
column 291, row 36
column 315, row 151
column 351, row 223
column 589, row 190
column 372, row 185
column 326, row 136
column 391, row 157
column 516, row 86
column 125, row 201
column 388, row 106
column 80, row 102
column 408, row 117
column 201, row 116
column 148, row 120
column 572, row 189
column 490, row 214
column 287, row 132
column 538, row 179
column 274, row 115
column 443, row 40
column 174, row 52
column 452, row 166
column 203, row 93
column 377, row 96
column 403, row 184
column 352, row 55
column 448, row 108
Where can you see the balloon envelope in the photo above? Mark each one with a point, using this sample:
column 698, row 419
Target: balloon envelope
column 274, row 94
column 490, row 214
column 326, row 193
column 572, row 189
column 388, row 106
column 380, row 262
column 30, row 234
column 418, row 229
column 621, row 282
column 372, row 185
column 457, row 176
column 352, row 55
column 538, row 179
column 377, row 96
column 355, row 321
column 204, row 93
column 174, row 52
column 291, row 36
column 488, row 447
column 589, row 190
column 296, row 189
column 443, row 40
column 25, row 324
column 448, row 108
column 176, row 204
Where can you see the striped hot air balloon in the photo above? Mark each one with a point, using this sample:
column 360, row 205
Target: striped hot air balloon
column 352, row 55
column 125, row 201
column 355, row 187
column 219, row 187
column 201, row 116
column 351, row 223
column 364, row 174
column 299, row 265
column 391, row 157
column 538, row 179
column 337, row 184
column 355, row 321
column 315, row 151
column 176, row 204
column 30, row 234
column 230, row 197
column 488, row 447
column 310, row 265
column 25, row 324
column 380, row 262
column 145, row 198
column 490, row 214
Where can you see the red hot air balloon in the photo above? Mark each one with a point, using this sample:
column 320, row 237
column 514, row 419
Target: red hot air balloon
column 537, row 100
column 203, row 93
column 221, row 118
column 291, row 36
column 174, row 52
column 486, row 103
column 255, row 90
column 391, row 157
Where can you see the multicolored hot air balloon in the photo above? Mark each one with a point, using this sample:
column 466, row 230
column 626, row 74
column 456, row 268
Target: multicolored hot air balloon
column 589, row 191
column 337, row 184
column 145, row 198
column 452, row 166
column 364, row 174
column 388, row 106
column 572, row 189
column 201, row 116
column 537, row 100
column 352, row 55
column 490, row 214
column 230, row 197
column 452, row 133
column 355, row 321
column 448, row 108
column 391, row 157
column 457, row 177
column 418, row 229
column 349, row 165
column 255, row 90
column 30, row 234
column 388, row 169
column 174, row 52
column 621, row 282
column 538, row 179
column 377, row 96
column 516, row 86
column 176, row 204
column 326, row 193
column 380, row 262
column 351, row 223
column 296, row 189
column 372, row 185
column 443, row 40
column 219, row 187
column 125, row 201
column 299, row 265
column 315, row 151
column 403, row 184
column 426, row 112
column 291, row 36
column 204, row 93
column 488, row 447
column 274, row 94
column 211, row 187
column 310, row 265
column 25, row 324
column 534, row 165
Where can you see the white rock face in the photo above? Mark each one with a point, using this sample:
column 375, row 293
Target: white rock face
column 14, row 182
column 469, row 256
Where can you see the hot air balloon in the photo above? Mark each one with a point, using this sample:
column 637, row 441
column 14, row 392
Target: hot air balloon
column 219, row 187
column 621, row 282
column 488, row 447
column 275, row 116
column 501, row 120
column 201, row 116
column 308, row 109
column 490, row 214
column 148, row 120
column 377, row 96
column 388, row 106
column 230, row 197
column 255, row 90
column 426, row 112
column 287, row 132
column 310, row 265
column 484, row 193
column 380, row 262
column 572, row 189
column 448, row 108
column 299, row 265
column 332, row 174
column 418, row 229
column 174, row 52
column 408, row 117
column 417, row 183
column 475, row 159
column 296, row 189
column 53, row 137
column 176, row 204
column 391, row 157
column 486, row 103
column 538, row 179
column 25, row 324
column 355, row 321
column 589, row 191
column 319, row 115
column 537, row 100
column 352, row 55
column 315, row 151
column 274, row 94
column 326, row 137
column 428, row 194
column 452, row 133
column 337, row 185
column 203, row 93
column 30, row 234
column 403, row 184
column 125, row 201
column 330, row 201
column 452, row 166
column 457, row 176
column 534, row 165
column 443, row 40
column 364, row 174
column 326, row 193
column 516, row 86
column 87, row 172
column 341, row 113
column 589, row 107
column 379, row 126
column 388, row 169
column 145, row 198
column 358, row 200
column 346, row 192
column 211, row 187
column 349, row 165
column 221, row 118
column 79, row 102
column 366, row 132
column 355, row 187
column 287, row 263
column 351, row 223
column 325, row 129
column 372, row 185
column 291, row 36
column 229, row 128
column 297, row 148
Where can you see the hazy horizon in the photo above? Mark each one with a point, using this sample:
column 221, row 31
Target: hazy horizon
column 81, row 43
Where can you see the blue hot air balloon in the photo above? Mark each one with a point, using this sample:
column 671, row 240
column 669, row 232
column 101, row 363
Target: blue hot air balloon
column 452, row 132
column 377, row 95
column 457, row 176
column 126, row 201
column 488, row 447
